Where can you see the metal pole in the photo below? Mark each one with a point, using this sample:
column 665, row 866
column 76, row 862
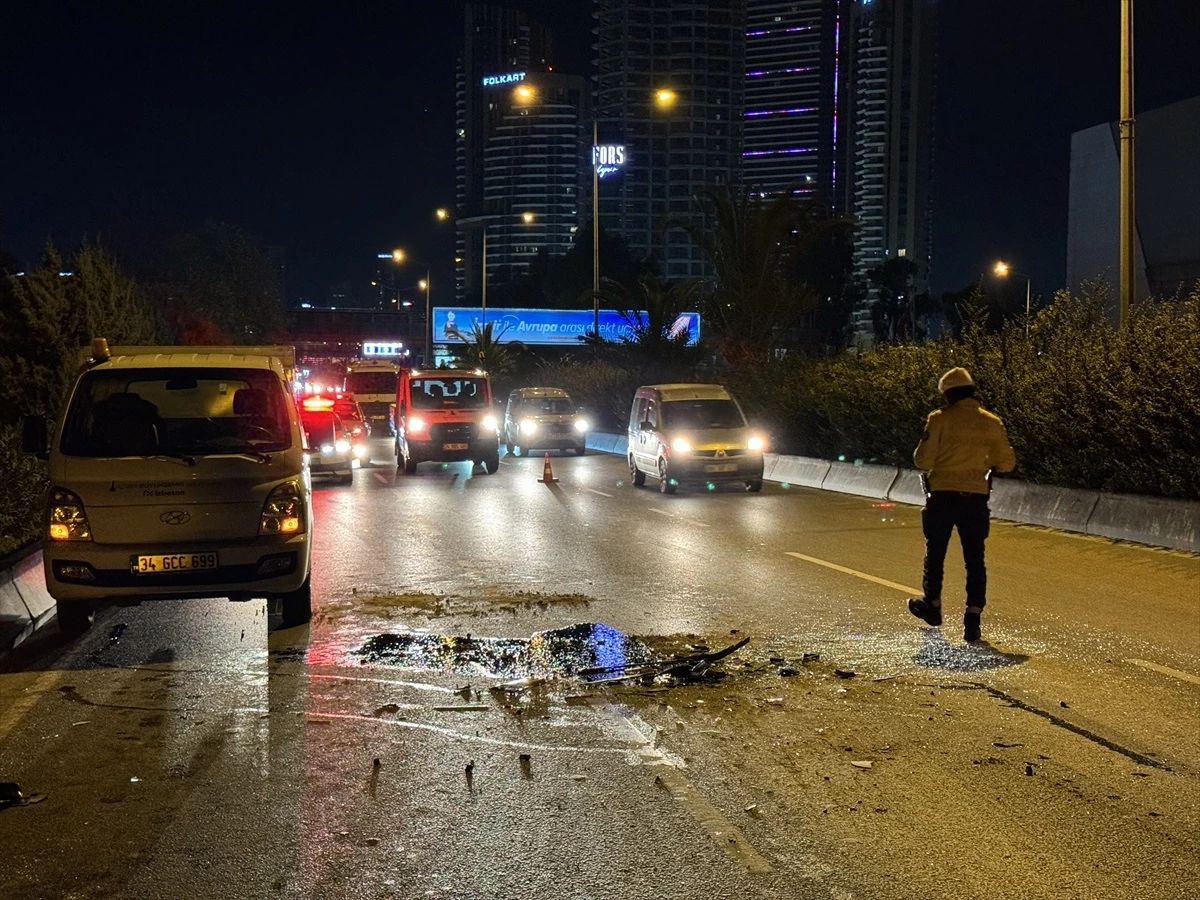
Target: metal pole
column 1028, row 289
column 595, row 237
column 428, row 321
column 484, row 316
column 1128, row 212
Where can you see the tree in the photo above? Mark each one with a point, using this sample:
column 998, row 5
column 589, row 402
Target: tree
column 482, row 348
column 755, row 298
column 651, row 312
column 898, row 309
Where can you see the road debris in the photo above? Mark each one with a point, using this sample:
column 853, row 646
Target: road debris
column 775, row 701
column 376, row 764
column 1028, row 768
column 788, row 671
column 388, row 709
column 685, row 667
column 10, row 795
column 463, row 707
column 810, row 658
column 862, row 764
column 526, row 762
column 845, row 673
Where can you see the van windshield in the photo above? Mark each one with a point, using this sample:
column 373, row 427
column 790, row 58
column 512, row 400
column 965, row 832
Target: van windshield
column 371, row 382
column 449, row 393
column 176, row 411
column 702, row 414
column 543, row 406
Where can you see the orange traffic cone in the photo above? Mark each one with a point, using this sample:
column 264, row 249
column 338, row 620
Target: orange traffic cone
column 547, row 475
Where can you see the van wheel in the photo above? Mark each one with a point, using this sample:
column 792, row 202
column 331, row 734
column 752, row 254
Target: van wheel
column 580, row 450
column 754, row 486
column 348, row 478
column 636, row 475
column 74, row 617
column 664, row 483
column 297, row 605
column 492, row 463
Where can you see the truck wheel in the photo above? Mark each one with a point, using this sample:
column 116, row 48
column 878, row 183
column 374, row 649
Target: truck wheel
column 580, row 450
column 74, row 617
column 492, row 463
column 636, row 475
column 754, row 486
column 297, row 605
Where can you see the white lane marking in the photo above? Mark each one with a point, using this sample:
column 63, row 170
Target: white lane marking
column 415, row 685
column 1165, row 670
column 669, row 768
column 680, row 518
column 912, row 591
column 380, row 477
column 21, row 706
column 594, row 491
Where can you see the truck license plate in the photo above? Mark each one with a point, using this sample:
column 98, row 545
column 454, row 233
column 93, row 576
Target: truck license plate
column 455, row 446
column 172, row 562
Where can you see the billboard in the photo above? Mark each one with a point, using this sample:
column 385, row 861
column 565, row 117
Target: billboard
column 560, row 327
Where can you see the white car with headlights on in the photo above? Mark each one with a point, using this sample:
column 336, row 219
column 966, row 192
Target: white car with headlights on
column 692, row 433
column 543, row 418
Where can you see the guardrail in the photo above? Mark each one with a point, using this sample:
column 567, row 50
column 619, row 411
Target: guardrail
column 25, row 604
column 1157, row 521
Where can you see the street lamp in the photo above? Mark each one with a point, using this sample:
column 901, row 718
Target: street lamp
column 1003, row 270
column 528, row 217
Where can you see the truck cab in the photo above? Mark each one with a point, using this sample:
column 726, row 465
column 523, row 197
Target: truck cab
column 372, row 384
column 446, row 415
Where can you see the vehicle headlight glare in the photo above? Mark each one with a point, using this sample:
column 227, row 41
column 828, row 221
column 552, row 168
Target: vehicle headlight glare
column 343, row 446
column 416, row 424
column 327, row 448
column 283, row 511
column 680, row 445
column 528, row 426
column 489, row 423
column 68, row 521
column 581, row 424
column 755, row 443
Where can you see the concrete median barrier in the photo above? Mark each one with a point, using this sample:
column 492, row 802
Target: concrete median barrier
column 25, row 604
column 799, row 470
column 1147, row 520
column 1039, row 504
column 907, row 488
column 864, row 480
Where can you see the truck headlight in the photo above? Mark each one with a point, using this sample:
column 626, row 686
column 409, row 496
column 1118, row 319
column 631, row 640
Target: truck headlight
column 489, row 423
column 415, row 425
column 283, row 511
column 528, row 426
column 67, row 519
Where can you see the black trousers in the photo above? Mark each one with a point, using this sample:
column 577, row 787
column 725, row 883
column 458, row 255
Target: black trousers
column 944, row 511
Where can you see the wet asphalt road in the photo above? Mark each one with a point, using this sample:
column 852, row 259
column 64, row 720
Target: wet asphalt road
column 196, row 748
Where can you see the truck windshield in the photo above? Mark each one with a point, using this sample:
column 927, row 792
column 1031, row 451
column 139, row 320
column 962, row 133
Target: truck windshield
column 702, row 414
column 542, row 406
column 176, row 411
column 371, row 383
column 449, row 393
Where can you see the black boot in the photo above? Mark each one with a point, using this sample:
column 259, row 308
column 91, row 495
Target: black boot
column 971, row 627
column 930, row 613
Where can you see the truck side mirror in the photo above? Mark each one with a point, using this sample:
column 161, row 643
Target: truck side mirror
column 33, row 436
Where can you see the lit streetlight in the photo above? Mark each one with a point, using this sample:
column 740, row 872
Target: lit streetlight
column 1003, row 270
column 442, row 214
column 665, row 97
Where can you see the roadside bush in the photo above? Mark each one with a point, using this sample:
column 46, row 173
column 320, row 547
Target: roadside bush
column 1086, row 406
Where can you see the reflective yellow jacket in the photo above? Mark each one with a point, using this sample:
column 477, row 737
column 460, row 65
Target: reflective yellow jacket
column 961, row 444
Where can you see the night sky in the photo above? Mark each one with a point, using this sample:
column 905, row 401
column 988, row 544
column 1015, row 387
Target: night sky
column 328, row 129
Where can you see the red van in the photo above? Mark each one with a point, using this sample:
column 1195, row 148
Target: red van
column 446, row 415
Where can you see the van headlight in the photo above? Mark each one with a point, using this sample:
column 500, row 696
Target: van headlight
column 342, row 446
column 68, row 521
column 415, row 425
column 283, row 512
column 756, row 443
column 528, row 426
column 489, row 423
column 581, row 425
column 680, row 445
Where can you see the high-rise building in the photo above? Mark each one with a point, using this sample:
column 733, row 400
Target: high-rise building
column 535, row 171
column 794, row 85
column 891, row 76
column 669, row 81
column 501, row 48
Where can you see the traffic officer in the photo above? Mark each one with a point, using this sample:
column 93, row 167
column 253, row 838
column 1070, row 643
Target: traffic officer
column 962, row 445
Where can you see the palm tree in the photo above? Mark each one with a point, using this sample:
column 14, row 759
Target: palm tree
column 752, row 243
column 483, row 349
column 652, row 310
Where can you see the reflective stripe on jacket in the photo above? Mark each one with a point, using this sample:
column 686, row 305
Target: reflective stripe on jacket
column 961, row 444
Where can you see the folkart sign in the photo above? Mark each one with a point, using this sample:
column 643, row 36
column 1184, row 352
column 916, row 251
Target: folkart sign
column 507, row 78
column 608, row 159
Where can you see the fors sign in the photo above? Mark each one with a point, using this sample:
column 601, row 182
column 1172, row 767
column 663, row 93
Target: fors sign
column 607, row 159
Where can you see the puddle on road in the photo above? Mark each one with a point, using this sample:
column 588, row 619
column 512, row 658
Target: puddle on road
column 450, row 605
column 560, row 651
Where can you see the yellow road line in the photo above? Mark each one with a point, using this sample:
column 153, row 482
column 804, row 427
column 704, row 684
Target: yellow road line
column 1165, row 670
column 911, row 591
column 12, row 716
